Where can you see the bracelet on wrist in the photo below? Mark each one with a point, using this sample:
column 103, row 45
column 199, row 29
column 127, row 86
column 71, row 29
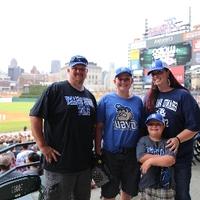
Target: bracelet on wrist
column 179, row 141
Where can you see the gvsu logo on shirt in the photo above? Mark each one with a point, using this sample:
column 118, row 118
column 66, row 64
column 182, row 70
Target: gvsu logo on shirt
column 124, row 118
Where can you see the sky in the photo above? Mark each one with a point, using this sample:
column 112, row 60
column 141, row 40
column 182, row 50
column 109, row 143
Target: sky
column 35, row 32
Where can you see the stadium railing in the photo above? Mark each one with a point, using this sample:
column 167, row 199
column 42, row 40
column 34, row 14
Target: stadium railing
column 196, row 148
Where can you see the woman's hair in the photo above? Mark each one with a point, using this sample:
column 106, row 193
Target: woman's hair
column 150, row 100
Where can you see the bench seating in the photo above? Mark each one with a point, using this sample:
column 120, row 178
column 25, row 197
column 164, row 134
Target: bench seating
column 20, row 186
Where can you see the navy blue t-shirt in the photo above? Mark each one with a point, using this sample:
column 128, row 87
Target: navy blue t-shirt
column 69, row 118
column 147, row 146
column 180, row 111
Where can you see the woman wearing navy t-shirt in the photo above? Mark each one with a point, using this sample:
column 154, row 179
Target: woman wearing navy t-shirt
column 182, row 120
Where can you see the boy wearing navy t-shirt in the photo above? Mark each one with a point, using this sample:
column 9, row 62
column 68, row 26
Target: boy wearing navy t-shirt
column 157, row 180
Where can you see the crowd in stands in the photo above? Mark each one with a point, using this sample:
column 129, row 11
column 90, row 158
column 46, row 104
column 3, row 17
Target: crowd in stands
column 13, row 138
column 18, row 156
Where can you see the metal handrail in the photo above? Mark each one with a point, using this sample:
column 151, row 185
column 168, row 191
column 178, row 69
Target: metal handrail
column 15, row 145
column 196, row 148
column 19, row 167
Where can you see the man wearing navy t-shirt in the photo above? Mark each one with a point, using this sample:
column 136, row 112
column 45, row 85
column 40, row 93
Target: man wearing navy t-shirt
column 62, row 122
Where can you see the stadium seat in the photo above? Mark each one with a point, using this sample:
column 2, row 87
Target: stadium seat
column 20, row 186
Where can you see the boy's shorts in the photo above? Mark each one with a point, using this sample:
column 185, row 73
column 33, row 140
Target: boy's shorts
column 157, row 194
column 125, row 174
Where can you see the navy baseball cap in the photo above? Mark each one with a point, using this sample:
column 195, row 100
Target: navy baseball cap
column 155, row 117
column 78, row 60
column 157, row 65
column 122, row 70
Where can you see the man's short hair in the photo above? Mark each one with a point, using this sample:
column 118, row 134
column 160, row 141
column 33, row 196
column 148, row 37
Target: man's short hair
column 5, row 161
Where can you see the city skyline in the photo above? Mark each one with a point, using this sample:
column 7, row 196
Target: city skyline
column 37, row 32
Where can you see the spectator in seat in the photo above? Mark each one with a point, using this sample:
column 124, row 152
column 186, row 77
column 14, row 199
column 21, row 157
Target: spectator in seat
column 5, row 165
column 22, row 156
column 33, row 169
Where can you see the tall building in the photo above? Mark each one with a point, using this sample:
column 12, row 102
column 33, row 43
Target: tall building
column 55, row 66
column 94, row 77
column 6, row 84
column 14, row 71
column 34, row 70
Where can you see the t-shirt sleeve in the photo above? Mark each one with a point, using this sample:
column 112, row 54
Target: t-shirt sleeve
column 101, row 110
column 191, row 112
column 41, row 107
column 169, row 152
column 140, row 149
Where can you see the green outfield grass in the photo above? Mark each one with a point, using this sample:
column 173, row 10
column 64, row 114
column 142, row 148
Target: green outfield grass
column 14, row 116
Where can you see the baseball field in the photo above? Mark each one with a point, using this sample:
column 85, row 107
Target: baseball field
column 14, row 116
